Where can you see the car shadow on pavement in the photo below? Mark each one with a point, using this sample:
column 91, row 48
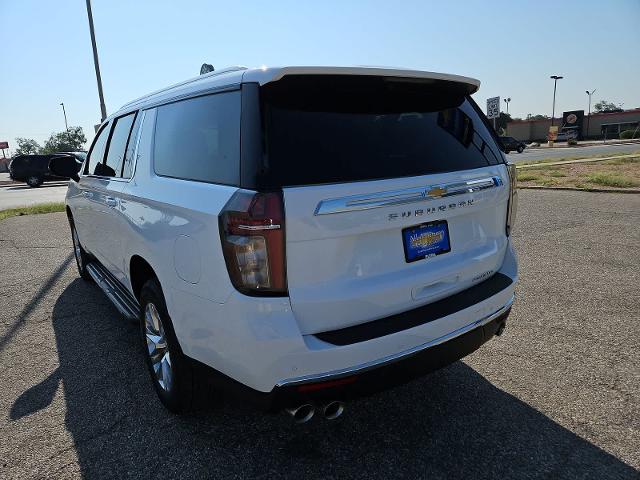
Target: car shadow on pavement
column 451, row 424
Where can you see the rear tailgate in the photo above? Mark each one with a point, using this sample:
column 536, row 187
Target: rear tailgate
column 364, row 163
column 350, row 266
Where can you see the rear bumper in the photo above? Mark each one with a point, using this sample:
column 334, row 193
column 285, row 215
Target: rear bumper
column 373, row 377
column 256, row 343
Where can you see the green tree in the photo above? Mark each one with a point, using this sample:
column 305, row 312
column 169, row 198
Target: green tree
column 27, row 146
column 69, row 141
column 604, row 106
column 503, row 119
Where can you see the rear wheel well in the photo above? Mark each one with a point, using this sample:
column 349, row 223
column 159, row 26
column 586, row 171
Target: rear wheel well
column 139, row 272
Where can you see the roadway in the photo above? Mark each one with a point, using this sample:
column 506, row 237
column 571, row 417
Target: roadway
column 533, row 154
column 19, row 194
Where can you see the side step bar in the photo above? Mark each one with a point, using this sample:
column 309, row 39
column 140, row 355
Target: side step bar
column 126, row 304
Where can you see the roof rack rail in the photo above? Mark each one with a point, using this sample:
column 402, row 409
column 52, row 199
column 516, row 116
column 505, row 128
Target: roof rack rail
column 234, row 68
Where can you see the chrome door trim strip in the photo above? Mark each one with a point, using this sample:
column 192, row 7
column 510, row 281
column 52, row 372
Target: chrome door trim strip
column 388, row 198
column 363, row 367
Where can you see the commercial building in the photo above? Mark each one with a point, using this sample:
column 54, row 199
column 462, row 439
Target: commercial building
column 600, row 126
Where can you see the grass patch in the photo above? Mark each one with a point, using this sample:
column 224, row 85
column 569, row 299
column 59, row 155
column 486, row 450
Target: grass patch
column 616, row 174
column 610, row 179
column 43, row 208
column 581, row 157
column 528, row 177
column 621, row 161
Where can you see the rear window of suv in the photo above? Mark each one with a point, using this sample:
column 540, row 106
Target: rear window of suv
column 332, row 129
column 199, row 139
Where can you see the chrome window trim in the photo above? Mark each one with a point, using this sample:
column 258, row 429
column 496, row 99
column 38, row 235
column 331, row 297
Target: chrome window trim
column 143, row 114
column 363, row 367
column 400, row 197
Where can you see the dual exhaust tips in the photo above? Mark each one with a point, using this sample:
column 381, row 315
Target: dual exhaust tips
column 305, row 412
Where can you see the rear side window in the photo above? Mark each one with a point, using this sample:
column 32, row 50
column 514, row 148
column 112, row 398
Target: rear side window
column 117, row 146
column 199, row 139
column 96, row 154
column 344, row 129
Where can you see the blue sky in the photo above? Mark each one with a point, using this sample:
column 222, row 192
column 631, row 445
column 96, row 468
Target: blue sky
column 511, row 46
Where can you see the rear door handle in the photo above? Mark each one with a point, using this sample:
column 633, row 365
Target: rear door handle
column 110, row 201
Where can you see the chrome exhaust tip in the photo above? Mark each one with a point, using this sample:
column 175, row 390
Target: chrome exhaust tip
column 333, row 410
column 302, row 413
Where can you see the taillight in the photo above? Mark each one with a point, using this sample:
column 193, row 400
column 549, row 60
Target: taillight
column 513, row 197
column 252, row 234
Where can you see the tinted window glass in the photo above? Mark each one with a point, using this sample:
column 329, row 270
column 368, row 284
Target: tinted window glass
column 350, row 129
column 199, row 139
column 131, row 146
column 96, row 153
column 117, row 145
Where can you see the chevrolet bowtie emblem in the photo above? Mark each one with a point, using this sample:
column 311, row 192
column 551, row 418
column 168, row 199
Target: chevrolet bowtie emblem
column 436, row 192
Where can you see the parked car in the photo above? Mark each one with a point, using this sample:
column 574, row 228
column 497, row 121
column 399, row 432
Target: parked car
column 510, row 144
column 34, row 169
column 299, row 235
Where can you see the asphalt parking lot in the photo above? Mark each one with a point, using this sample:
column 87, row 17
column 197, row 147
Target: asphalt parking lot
column 557, row 396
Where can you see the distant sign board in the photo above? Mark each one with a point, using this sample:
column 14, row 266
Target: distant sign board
column 493, row 107
column 4, row 145
column 553, row 133
column 573, row 121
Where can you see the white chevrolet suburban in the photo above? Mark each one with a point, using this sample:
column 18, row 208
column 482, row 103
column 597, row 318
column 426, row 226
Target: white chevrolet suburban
column 299, row 235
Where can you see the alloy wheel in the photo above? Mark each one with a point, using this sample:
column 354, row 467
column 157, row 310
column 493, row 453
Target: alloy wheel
column 157, row 347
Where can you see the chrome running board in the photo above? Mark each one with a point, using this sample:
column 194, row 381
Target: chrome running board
column 126, row 304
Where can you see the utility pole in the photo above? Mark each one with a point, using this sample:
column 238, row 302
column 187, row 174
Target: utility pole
column 589, row 114
column 66, row 125
column 103, row 109
column 555, row 82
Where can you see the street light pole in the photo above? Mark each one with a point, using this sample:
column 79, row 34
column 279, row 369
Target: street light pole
column 589, row 114
column 507, row 100
column 66, row 125
column 103, row 109
column 555, row 82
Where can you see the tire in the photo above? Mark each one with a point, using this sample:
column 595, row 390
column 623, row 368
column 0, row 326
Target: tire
column 520, row 149
column 179, row 384
column 34, row 181
column 79, row 253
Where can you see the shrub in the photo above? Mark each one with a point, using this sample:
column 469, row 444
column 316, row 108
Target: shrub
column 627, row 134
column 572, row 141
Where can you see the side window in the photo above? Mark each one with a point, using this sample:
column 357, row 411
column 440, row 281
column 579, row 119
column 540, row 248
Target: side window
column 96, row 154
column 199, row 139
column 115, row 155
column 127, row 170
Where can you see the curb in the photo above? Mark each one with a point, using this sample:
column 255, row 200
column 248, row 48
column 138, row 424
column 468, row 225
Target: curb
column 575, row 189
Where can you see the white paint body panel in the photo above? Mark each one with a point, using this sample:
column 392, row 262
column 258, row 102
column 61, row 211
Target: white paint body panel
column 343, row 269
column 348, row 268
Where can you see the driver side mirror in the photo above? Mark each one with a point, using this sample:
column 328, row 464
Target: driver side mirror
column 65, row 166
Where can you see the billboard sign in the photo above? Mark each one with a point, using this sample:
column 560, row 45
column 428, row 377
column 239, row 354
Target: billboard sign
column 552, row 136
column 4, row 145
column 572, row 121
